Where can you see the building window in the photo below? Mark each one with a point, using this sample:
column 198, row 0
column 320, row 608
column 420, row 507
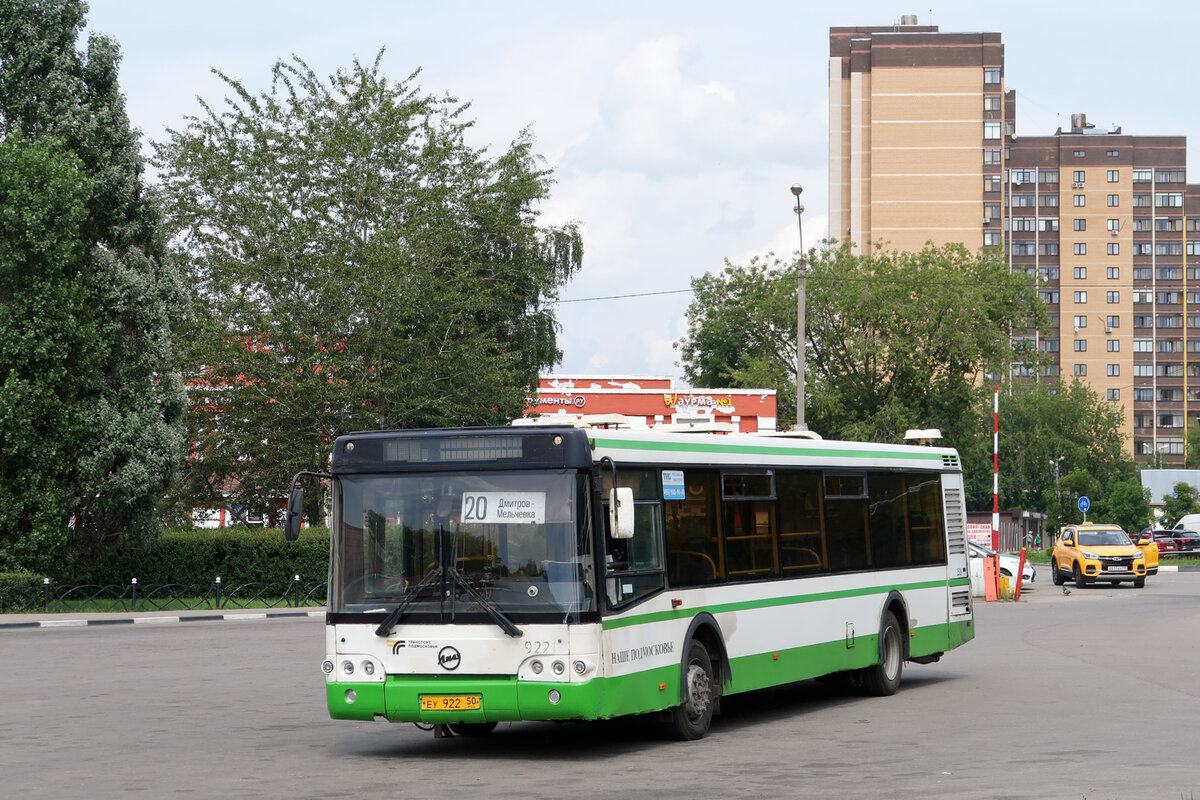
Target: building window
column 1080, row 321
column 1114, row 249
column 1142, row 175
column 1170, row 273
column 991, row 238
column 1169, row 224
column 991, row 102
column 1142, row 297
column 1170, row 175
column 1114, row 273
column 991, row 130
column 1113, row 370
column 1114, row 394
column 1143, row 321
column 1113, row 321
column 1081, row 224
column 1113, row 153
column 1141, row 200
column 1081, row 370
column 991, row 155
column 1049, row 296
column 1079, row 177
column 1048, row 224
column 1143, row 370
column 1113, row 297
column 1021, row 201
column 1081, row 297
column 991, row 183
column 1081, row 248
column 1050, row 345
column 1079, row 200
column 1114, row 200
column 1048, row 249
column 1168, row 249
column 1141, row 224
column 1048, row 273
column 1114, row 224
column 1143, row 345
column 1168, row 199
column 991, row 75
column 1113, row 345
column 1079, row 154
column 1080, row 273
column 1142, row 395
column 1081, row 345
column 1114, row 175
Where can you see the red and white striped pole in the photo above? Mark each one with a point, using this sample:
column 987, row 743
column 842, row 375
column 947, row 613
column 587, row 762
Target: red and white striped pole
column 996, row 468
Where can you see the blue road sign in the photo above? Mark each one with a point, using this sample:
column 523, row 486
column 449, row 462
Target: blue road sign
column 1084, row 504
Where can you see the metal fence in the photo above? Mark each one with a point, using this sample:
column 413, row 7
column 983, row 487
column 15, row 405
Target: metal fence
column 51, row 598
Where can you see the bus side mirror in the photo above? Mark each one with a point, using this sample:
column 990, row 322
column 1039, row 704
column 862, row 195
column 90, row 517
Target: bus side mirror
column 295, row 514
column 620, row 513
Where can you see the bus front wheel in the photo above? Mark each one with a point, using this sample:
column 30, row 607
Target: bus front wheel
column 690, row 719
column 884, row 678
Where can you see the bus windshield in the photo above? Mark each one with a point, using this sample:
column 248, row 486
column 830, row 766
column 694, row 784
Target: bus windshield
column 448, row 545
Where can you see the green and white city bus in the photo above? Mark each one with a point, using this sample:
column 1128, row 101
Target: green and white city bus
column 479, row 575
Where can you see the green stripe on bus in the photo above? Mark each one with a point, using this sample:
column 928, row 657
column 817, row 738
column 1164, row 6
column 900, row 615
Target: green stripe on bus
column 770, row 602
column 504, row 698
column 761, row 449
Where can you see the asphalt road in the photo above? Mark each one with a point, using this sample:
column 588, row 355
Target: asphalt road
column 1092, row 695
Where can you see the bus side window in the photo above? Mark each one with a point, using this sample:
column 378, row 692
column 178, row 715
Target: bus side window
column 693, row 555
column 634, row 566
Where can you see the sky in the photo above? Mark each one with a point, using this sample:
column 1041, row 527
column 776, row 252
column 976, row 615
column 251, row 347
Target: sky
column 674, row 129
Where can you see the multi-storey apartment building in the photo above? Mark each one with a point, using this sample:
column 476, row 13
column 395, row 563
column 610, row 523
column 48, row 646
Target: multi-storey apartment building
column 922, row 147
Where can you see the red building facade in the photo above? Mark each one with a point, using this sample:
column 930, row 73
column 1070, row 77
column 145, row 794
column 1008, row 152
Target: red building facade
column 648, row 401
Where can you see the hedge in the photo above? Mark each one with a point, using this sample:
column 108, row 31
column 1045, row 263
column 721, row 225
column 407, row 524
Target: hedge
column 199, row 555
column 17, row 587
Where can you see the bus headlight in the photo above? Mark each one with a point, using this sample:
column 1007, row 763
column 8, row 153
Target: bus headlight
column 368, row 667
column 348, row 667
column 580, row 667
column 327, row 667
column 559, row 668
column 536, row 666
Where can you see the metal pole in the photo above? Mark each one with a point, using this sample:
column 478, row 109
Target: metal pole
column 801, row 301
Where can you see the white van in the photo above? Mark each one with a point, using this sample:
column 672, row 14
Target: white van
column 1188, row 522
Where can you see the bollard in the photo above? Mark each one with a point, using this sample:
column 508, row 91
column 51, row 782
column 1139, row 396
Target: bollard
column 296, row 584
column 218, row 587
column 133, row 583
column 46, row 594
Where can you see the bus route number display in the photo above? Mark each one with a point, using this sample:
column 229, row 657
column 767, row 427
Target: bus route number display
column 527, row 508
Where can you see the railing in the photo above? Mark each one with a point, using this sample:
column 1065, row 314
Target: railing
column 51, row 598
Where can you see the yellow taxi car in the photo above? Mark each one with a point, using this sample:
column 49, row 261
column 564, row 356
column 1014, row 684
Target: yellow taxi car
column 1092, row 552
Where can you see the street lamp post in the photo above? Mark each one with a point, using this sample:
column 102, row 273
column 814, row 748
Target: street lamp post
column 800, row 303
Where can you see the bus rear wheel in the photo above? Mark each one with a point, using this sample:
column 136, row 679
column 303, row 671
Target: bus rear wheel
column 690, row 719
column 884, row 678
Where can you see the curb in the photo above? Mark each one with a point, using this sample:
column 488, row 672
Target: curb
column 157, row 620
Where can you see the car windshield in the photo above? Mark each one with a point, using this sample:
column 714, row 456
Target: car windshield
column 1114, row 536
column 453, row 544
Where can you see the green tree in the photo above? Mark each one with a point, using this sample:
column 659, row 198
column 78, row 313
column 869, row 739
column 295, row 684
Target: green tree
column 1184, row 499
column 894, row 340
column 1048, row 429
column 356, row 264
column 1127, row 504
column 1193, row 446
column 121, row 439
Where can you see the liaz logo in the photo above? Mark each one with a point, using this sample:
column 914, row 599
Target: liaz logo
column 449, row 658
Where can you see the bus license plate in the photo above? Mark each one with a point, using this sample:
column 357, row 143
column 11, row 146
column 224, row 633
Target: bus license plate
column 451, row 702
column 1117, row 569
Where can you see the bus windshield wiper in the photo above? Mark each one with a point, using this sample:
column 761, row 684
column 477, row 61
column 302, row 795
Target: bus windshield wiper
column 443, row 575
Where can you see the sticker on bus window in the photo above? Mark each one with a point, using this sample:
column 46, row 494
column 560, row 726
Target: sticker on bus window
column 673, row 487
column 493, row 507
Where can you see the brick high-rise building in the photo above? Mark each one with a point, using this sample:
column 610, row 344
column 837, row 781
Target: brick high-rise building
column 922, row 147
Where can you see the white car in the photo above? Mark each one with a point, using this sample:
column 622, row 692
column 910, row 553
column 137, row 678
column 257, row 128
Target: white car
column 1009, row 564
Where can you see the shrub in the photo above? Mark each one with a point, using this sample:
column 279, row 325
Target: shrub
column 198, row 556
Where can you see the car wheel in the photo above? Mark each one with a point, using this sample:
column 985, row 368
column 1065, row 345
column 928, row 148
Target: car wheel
column 1080, row 581
column 1055, row 576
column 1139, row 583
